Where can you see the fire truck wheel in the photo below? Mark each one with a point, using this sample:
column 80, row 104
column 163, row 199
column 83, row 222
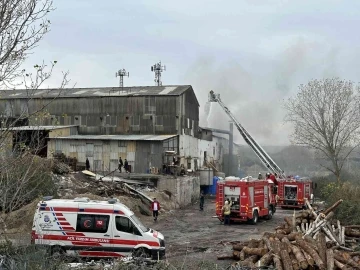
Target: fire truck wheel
column 255, row 218
column 271, row 213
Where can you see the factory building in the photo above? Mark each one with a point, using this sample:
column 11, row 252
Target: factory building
column 136, row 123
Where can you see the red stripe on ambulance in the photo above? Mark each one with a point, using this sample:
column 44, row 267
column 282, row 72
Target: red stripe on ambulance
column 86, row 239
column 86, row 244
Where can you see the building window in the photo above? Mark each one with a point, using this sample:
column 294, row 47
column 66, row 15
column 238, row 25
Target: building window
column 92, row 223
column 135, row 120
column 159, row 120
column 214, row 152
column 171, row 144
column 150, row 107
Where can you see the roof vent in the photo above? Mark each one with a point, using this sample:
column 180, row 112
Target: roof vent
column 113, row 200
column 82, row 199
column 47, row 198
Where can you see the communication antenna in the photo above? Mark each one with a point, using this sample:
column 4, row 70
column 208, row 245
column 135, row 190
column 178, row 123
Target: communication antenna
column 158, row 68
column 121, row 73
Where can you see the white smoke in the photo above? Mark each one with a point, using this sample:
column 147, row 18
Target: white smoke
column 207, row 113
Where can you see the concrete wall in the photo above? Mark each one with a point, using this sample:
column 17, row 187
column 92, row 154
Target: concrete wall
column 188, row 151
column 213, row 152
column 185, row 190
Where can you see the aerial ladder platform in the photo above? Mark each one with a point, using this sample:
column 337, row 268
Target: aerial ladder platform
column 259, row 151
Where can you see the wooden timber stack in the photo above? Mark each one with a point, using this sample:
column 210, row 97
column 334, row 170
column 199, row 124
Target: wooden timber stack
column 307, row 240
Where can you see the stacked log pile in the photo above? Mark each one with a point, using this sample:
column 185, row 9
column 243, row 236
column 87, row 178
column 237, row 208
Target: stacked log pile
column 307, row 240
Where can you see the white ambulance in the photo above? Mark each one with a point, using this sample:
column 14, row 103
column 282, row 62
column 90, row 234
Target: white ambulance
column 88, row 228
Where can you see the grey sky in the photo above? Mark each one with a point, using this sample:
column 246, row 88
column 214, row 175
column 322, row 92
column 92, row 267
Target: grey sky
column 254, row 53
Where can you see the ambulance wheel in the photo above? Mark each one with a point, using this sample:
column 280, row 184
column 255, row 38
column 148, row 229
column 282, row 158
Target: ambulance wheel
column 57, row 253
column 141, row 253
column 255, row 218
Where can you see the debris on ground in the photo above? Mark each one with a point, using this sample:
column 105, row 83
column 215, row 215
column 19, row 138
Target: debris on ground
column 305, row 240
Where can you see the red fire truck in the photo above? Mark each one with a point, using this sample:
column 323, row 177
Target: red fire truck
column 292, row 192
column 251, row 199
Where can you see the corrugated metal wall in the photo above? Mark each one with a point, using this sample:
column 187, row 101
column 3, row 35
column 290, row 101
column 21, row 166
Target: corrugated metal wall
column 116, row 115
column 148, row 154
column 104, row 155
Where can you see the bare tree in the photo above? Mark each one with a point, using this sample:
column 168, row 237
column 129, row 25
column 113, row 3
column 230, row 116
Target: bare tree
column 326, row 117
column 23, row 24
column 23, row 175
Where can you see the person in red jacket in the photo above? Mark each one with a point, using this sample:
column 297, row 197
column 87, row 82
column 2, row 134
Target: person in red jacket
column 155, row 207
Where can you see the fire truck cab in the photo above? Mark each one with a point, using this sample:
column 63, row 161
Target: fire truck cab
column 292, row 192
column 251, row 198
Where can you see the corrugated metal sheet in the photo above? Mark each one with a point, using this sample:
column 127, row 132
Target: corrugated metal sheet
column 118, row 137
column 96, row 92
column 39, row 127
column 131, row 146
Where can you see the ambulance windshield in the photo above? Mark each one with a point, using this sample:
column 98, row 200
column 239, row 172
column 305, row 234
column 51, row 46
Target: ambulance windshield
column 138, row 222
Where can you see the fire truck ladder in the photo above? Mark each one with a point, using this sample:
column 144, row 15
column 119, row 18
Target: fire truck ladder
column 259, row 151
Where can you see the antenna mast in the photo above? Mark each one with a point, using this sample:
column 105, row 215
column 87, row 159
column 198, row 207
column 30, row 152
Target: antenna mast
column 158, row 68
column 121, row 73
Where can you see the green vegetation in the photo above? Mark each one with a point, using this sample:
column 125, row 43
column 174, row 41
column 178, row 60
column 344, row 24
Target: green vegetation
column 329, row 190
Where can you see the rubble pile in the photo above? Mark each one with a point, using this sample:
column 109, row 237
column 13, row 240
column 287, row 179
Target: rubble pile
column 307, row 240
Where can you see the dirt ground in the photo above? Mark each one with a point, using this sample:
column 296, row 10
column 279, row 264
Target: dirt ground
column 192, row 237
column 195, row 238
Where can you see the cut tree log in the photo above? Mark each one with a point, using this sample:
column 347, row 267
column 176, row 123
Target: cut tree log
column 255, row 251
column 239, row 247
column 225, row 257
column 308, row 258
column 321, row 245
column 346, row 259
column 285, row 258
column 286, row 244
column 268, row 243
column 265, row 260
column 299, row 256
column 333, row 207
column 340, row 265
column 295, row 263
column 310, row 208
column 277, row 262
column 330, row 259
column 306, row 247
column 352, row 233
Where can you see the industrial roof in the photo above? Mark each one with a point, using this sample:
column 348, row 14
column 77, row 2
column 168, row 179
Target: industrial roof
column 171, row 90
column 37, row 127
column 118, row 137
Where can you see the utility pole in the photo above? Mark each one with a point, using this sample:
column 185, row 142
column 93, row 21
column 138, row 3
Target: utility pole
column 158, row 68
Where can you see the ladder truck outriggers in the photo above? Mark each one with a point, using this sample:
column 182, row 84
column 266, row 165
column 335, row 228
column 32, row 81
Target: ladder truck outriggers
column 258, row 204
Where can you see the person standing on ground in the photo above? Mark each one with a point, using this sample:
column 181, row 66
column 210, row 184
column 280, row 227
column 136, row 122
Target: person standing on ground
column 202, row 200
column 120, row 164
column 87, row 164
column 126, row 166
column 260, row 176
column 155, row 207
column 227, row 211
